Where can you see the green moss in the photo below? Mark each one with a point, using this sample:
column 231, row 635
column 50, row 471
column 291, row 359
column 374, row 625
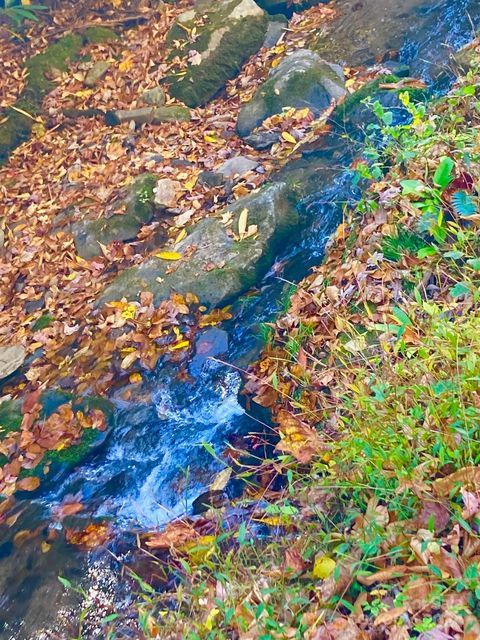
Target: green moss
column 140, row 203
column 241, row 40
column 42, row 322
column 17, row 128
column 10, row 417
column 94, row 35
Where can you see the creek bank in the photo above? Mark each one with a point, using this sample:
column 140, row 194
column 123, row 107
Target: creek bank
column 21, row 117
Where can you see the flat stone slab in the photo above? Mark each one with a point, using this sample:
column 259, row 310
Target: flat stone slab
column 11, row 359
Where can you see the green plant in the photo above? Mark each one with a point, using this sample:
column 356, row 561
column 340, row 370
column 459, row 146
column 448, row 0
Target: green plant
column 18, row 13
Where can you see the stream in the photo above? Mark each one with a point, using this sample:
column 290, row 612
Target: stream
column 153, row 465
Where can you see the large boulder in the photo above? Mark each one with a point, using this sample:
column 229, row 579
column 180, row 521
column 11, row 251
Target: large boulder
column 228, row 33
column 216, row 264
column 139, row 205
column 11, row 359
column 288, row 7
column 301, row 80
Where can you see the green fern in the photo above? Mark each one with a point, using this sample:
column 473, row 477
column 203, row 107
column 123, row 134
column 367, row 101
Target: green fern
column 463, row 204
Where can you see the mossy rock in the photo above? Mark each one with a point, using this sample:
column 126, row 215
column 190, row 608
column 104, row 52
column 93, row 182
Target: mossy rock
column 58, row 462
column 95, row 35
column 233, row 31
column 301, row 80
column 139, row 204
column 221, row 268
column 17, row 127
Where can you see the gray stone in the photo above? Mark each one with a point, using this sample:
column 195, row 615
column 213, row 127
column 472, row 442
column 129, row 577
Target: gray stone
column 211, row 178
column 262, row 139
column 148, row 115
column 301, row 80
column 155, row 97
column 11, row 359
column 274, row 31
column 237, row 167
column 139, row 206
column 166, row 193
column 96, row 73
column 217, row 267
column 228, row 32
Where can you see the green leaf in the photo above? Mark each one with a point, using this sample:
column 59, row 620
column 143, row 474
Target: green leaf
column 401, row 316
column 109, row 618
column 412, row 186
column 460, row 289
column 474, row 263
column 463, row 204
column 435, row 570
column 443, row 175
column 66, row 583
column 426, row 252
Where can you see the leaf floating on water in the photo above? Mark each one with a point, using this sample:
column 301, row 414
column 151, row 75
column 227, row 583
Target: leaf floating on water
column 288, row 137
column 168, row 255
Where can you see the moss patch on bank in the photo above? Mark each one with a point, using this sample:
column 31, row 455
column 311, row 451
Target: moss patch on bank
column 23, row 114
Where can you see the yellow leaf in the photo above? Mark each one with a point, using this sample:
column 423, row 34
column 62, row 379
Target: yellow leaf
column 323, row 567
column 135, row 378
column 242, row 223
column 179, row 345
column 126, row 64
column 71, row 276
column 181, row 236
column 189, row 184
column 83, row 93
column 129, row 311
column 213, row 613
column 129, row 360
column 45, row 547
column 209, row 138
column 288, row 137
column 221, row 479
column 169, row 255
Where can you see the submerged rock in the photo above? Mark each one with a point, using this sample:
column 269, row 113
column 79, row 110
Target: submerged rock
column 210, row 343
column 139, row 206
column 288, row 7
column 301, row 80
column 216, row 266
column 228, row 33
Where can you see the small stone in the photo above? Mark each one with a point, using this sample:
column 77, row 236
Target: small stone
column 97, row 72
column 166, row 193
column 274, row 31
column 211, row 178
column 237, row 167
column 155, row 97
column 262, row 140
column 11, row 359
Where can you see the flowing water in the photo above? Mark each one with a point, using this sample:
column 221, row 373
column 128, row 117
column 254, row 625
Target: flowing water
column 153, row 465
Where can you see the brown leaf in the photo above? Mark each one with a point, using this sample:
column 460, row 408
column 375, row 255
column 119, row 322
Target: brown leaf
column 28, row 484
column 298, row 438
column 175, row 534
column 468, row 478
column 387, row 617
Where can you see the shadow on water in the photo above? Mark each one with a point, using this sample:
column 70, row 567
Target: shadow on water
column 154, row 465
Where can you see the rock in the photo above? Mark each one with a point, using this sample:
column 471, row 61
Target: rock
column 275, row 29
column 139, row 207
column 97, row 72
column 230, row 32
column 155, row 97
column 262, row 139
column 287, row 7
column 237, row 167
column 148, row 115
column 11, row 359
column 301, row 80
column 216, row 267
column 166, row 193
column 210, row 343
column 211, row 178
